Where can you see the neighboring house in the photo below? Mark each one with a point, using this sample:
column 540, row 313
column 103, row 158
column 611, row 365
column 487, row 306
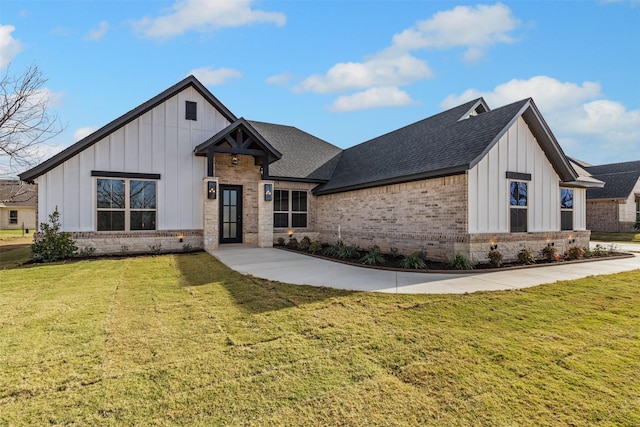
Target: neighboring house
column 18, row 202
column 616, row 206
column 182, row 169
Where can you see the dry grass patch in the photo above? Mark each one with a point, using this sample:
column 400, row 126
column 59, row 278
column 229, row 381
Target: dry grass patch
column 183, row 340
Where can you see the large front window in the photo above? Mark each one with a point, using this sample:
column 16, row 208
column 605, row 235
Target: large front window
column 289, row 209
column 126, row 204
column 566, row 209
column 518, row 206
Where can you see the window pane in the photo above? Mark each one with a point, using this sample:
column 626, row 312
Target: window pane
column 280, row 220
column 299, row 201
column 518, row 191
column 13, row 217
column 518, row 220
column 110, row 220
column 142, row 195
column 566, row 220
column 143, row 220
column 566, row 198
column 110, row 193
column 281, row 200
column 299, row 220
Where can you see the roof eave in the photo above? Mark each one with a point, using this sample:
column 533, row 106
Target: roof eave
column 454, row 170
column 46, row 166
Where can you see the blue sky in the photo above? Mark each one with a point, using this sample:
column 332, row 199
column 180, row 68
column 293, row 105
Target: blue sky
column 345, row 71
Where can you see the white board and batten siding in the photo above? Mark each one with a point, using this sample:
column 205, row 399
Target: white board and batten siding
column 160, row 141
column 489, row 202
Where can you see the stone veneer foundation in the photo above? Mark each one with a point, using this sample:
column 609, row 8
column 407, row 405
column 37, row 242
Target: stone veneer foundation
column 137, row 242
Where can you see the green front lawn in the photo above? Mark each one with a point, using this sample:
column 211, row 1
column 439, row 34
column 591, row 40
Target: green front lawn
column 183, row 340
column 615, row 237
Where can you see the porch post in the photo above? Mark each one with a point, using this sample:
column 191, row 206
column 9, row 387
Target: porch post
column 265, row 216
column 211, row 222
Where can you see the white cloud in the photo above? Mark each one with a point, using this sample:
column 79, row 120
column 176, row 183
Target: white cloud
column 99, row 32
column 210, row 77
column 83, row 133
column 9, row 47
column 387, row 68
column 586, row 124
column 280, row 79
column 475, row 28
column 204, row 16
column 374, row 97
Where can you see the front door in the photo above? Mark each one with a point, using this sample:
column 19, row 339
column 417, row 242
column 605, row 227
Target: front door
column 231, row 214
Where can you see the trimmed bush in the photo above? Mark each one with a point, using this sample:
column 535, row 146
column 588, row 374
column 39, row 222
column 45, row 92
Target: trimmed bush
column 293, row 243
column 550, row 253
column 373, row 257
column 460, row 262
column 525, row 256
column 305, row 242
column 574, row 252
column 54, row 245
column 315, row 247
column 280, row 241
column 495, row 258
column 414, row 261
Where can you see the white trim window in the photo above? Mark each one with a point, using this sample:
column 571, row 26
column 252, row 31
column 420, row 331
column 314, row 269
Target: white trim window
column 13, row 217
column 518, row 206
column 125, row 204
column 566, row 209
column 290, row 209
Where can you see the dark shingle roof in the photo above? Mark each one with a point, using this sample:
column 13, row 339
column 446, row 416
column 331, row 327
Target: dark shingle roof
column 303, row 155
column 439, row 145
column 17, row 193
column 619, row 179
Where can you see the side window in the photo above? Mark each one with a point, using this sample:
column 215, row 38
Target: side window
column 289, row 209
column 566, row 209
column 191, row 110
column 13, row 217
column 281, row 208
column 518, row 206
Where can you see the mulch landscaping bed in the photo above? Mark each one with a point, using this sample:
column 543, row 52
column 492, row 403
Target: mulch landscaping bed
column 394, row 263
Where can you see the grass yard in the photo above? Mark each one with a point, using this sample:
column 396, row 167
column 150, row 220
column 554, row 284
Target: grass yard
column 601, row 236
column 183, row 340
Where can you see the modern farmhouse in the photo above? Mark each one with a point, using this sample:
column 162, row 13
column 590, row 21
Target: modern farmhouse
column 183, row 169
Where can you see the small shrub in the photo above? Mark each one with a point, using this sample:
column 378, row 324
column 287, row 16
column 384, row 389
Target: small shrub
column 414, row 261
column 347, row 251
column 86, row 252
column 394, row 252
column 460, row 262
column 54, row 245
column 495, row 258
column 155, row 249
column 315, row 247
column 373, row 257
column 587, row 252
column 124, row 249
column 550, row 253
column 305, row 242
column 525, row 256
column 574, row 252
column 280, row 241
column 599, row 251
column 331, row 251
column 187, row 248
column 293, row 243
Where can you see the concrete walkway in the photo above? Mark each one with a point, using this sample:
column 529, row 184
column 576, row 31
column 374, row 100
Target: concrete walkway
column 299, row 269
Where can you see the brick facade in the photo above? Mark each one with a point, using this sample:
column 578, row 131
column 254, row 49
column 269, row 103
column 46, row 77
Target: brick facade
column 428, row 215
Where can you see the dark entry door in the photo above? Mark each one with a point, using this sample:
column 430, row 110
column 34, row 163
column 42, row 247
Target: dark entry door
column 231, row 214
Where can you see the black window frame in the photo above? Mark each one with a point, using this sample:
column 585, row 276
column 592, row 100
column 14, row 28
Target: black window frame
column 566, row 211
column 518, row 207
column 13, row 217
column 191, row 110
column 132, row 212
column 290, row 208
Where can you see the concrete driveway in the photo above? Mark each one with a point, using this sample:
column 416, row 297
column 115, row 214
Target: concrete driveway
column 299, row 269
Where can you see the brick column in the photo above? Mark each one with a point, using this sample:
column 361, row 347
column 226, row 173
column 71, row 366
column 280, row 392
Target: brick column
column 265, row 217
column 211, row 221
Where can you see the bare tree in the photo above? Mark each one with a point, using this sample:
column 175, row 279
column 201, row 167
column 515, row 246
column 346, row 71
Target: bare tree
column 26, row 123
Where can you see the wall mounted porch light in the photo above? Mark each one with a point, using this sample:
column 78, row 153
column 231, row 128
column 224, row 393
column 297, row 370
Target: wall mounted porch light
column 211, row 190
column 550, row 244
column 180, row 238
column 234, row 159
column 572, row 241
column 290, row 233
column 268, row 192
column 494, row 246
